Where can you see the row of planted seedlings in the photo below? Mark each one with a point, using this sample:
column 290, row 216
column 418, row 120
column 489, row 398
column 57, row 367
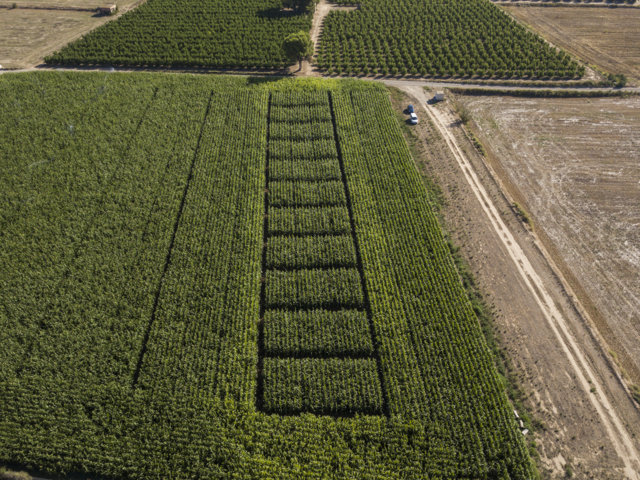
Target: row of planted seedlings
column 317, row 352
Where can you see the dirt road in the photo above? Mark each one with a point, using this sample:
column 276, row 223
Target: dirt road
column 323, row 8
column 574, row 386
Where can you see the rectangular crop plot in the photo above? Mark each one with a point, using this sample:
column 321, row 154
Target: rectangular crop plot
column 301, row 131
column 301, row 149
column 290, row 194
column 305, row 220
column 302, row 113
column 338, row 287
column 319, row 149
column 319, row 333
column 328, row 169
column 317, row 251
column 322, row 386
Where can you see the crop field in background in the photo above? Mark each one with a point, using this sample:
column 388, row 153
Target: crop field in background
column 606, row 37
column 465, row 38
column 244, row 34
column 207, row 277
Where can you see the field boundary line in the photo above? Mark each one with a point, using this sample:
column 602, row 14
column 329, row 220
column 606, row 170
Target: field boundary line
column 167, row 262
column 614, row 426
column 263, row 269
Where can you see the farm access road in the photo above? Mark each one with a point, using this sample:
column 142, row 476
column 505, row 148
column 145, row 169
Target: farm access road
column 588, row 421
column 400, row 83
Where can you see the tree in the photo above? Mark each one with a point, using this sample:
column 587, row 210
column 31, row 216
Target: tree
column 298, row 46
column 300, row 5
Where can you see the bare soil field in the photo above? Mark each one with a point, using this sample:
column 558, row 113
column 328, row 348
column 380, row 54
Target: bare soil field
column 606, row 37
column 574, row 164
column 585, row 424
column 28, row 35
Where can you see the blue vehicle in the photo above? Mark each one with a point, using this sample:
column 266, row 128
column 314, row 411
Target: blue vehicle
column 410, row 109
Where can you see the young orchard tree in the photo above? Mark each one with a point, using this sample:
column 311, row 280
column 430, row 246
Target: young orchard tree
column 298, row 46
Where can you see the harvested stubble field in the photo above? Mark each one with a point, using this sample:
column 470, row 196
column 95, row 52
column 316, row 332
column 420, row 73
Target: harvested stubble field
column 27, row 36
column 232, row 278
column 606, row 37
column 574, row 164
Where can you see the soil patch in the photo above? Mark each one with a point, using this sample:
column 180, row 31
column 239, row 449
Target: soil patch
column 28, row 35
column 607, row 37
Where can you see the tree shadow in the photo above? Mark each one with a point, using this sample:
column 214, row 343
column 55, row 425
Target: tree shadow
column 276, row 12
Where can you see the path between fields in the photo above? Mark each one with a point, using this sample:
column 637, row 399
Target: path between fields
column 616, row 431
column 401, row 83
column 322, row 10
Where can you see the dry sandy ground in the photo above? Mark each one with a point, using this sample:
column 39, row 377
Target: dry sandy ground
column 586, row 417
column 607, row 37
column 27, row 36
column 575, row 165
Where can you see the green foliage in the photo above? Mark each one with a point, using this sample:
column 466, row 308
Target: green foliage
column 242, row 34
column 463, row 38
column 319, row 333
column 618, row 80
column 298, row 46
column 301, row 131
column 339, row 287
column 309, row 220
column 140, row 302
column 309, row 252
column 320, row 149
column 319, row 385
column 400, row 238
column 342, row 377
column 309, row 171
column 291, row 194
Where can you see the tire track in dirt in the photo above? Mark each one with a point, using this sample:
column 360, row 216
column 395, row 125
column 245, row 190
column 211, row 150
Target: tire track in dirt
column 614, row 426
